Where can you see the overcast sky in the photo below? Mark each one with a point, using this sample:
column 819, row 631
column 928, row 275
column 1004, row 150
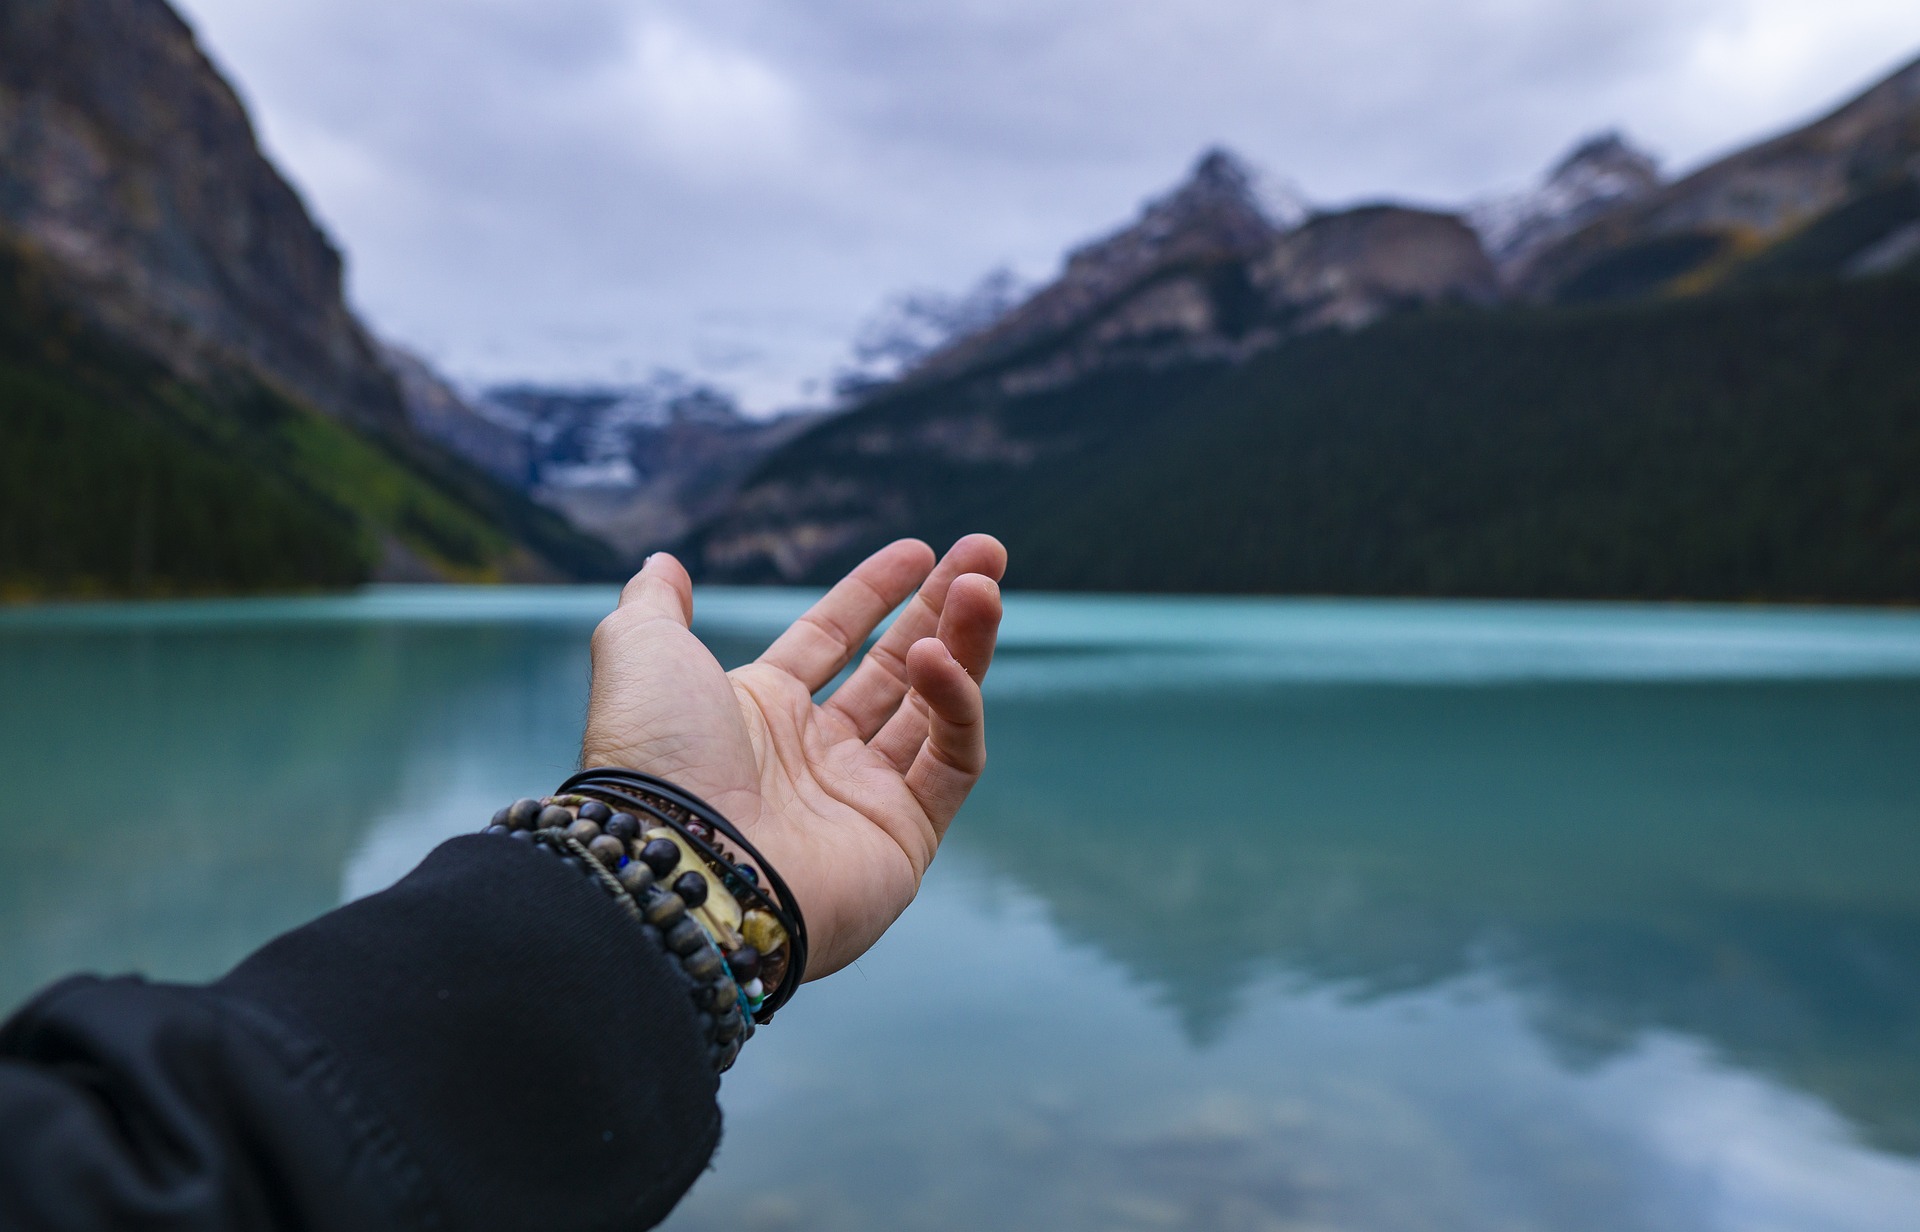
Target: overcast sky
column 583, row 190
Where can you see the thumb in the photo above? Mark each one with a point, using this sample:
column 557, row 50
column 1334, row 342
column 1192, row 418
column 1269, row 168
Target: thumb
column 661, row 588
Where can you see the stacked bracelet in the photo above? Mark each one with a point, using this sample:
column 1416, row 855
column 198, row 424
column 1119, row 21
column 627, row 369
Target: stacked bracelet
column 669, row 858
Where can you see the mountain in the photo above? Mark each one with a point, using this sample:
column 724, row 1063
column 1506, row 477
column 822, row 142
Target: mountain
column 1839, row 195
column 497, row 444
column 636, row 467
column 1598, row 176
column 171, row 316
column 128, row 162
column 1614, row 386
column 1203, row 280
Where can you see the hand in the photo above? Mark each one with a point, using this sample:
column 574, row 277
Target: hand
column 847, row 799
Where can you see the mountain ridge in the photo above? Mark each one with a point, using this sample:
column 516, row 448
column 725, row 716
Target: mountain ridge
column 1149, row 334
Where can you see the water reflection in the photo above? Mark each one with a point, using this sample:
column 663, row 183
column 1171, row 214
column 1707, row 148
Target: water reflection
column 1268, row 915
column 171, row 794
column 1736, row 862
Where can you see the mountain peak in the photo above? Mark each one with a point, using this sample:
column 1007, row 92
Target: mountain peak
column 1214, row 217
column 1225, row 189
column 1600, row 172
column 1607, row 152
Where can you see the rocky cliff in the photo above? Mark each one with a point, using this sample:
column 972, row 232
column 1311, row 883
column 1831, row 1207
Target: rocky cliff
column 128, row 163
column 171, row 314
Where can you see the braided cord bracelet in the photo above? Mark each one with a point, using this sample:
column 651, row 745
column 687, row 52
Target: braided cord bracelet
column 669, row 858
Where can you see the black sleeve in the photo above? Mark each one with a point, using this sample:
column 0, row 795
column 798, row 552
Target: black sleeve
column 490, row 1044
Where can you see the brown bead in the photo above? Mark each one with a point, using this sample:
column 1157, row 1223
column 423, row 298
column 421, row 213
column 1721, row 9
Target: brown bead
column 553, row 817
column 745, row 963
column 607, row 849
column 703, row 964
column 582, row 832
column 666, row 910
column 686, row 936
column 636, row 876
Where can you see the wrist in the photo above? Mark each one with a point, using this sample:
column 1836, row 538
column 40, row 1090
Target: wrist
column 695, row 885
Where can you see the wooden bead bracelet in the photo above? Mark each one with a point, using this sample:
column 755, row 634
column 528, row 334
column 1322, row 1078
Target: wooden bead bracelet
column 665, row 854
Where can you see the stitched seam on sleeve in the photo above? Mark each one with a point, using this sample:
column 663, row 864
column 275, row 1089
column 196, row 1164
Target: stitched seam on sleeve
column 314, row 1064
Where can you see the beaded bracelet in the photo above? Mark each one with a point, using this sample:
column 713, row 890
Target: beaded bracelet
column 661, row 853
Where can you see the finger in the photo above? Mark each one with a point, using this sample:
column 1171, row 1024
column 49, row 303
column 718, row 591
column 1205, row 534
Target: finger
column 661, row 588
column 969, row 628
column 816, row 646
column 875, row 690
column 955, row 751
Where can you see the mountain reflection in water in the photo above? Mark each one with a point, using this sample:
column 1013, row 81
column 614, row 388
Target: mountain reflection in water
column 1268, row 914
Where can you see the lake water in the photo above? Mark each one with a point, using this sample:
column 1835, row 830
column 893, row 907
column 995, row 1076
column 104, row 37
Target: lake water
column 1269, row 914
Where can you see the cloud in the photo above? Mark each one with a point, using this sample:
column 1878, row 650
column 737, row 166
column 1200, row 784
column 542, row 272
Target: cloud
column 585, row 188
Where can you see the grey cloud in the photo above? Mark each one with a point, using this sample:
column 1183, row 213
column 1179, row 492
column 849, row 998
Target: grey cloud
column 590, row 188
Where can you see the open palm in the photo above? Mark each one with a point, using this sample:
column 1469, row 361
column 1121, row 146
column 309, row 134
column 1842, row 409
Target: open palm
column 849, row 798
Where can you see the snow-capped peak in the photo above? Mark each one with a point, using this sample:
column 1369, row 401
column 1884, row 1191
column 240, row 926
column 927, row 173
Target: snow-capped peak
column 1598, row 174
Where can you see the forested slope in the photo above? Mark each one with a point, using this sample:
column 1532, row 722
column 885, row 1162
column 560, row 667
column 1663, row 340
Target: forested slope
column 1763, row 445
column 1749, row 444
column 118, row 477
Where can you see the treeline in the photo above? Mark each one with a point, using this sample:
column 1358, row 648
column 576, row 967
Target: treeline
column 1756, row 443
column 117, row 478
column 1762, row 445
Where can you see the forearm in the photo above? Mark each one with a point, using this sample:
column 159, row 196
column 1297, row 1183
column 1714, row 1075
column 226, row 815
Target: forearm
column 489, row 1045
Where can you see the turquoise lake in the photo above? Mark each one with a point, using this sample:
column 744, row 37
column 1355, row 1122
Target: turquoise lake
column 1269, row 914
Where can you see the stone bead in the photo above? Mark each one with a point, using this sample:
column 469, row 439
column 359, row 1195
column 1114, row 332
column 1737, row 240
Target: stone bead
column 703, row 964
column 500, row 818
column 763, row 932
column 728, row 1026
column 691, row 886
column 722, row 993
column 497, row 829
column 750, row 874
column 521, row 813
column 525, row 836
column 621, row 825
column 686, row 936
column 583, row 832
column 666, row 910
column 635, row 876
column 595, row 811
column 608, row 850
column 553, row 817
column 745, row 962
column 662, row 855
